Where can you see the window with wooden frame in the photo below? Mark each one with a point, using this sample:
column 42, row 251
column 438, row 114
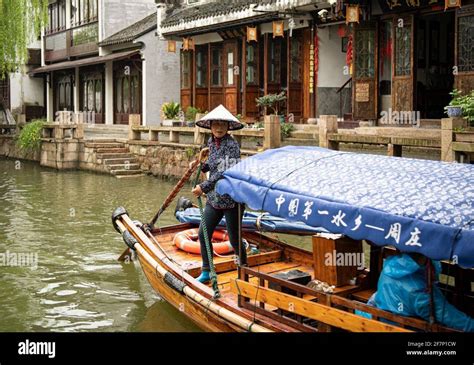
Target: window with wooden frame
column 402, row 51
column 295, row 59
column 127, row 89
column 274, row 61
column 57, row 17
column 230, row 56
column 201, row 67
column 251, row 61
column 83, row 12
column 466, row 43
column 365, row 48
column 64, row 92
column 216, row 66
column 185, row 69
column 92, row 92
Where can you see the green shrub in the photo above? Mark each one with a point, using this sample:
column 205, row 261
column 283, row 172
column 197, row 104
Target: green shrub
column 30, row 136
column 286, row 129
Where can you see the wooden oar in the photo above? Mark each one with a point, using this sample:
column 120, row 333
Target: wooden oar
column 200, row 159
column 203, row 154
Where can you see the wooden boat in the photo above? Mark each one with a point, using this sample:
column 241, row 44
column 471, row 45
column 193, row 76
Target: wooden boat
column 253, row 298
column 261, row 297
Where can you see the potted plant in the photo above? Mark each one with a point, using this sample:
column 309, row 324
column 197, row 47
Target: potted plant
column 454, row 108
column 272, row 101
column 170, row 112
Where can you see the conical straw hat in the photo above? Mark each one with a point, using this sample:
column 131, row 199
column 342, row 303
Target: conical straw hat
column 222, row 114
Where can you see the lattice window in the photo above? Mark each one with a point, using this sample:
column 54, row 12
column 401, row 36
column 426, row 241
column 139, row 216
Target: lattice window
column 365, row 56
column 5, row 92
column 466, row 43
column 402, row 51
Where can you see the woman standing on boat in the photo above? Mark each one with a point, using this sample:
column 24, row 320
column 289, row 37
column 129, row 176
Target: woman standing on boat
column 224, row 152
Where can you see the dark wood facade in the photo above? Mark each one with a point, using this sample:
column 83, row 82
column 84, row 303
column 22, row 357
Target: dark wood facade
column 235, row 72
column 428, row 52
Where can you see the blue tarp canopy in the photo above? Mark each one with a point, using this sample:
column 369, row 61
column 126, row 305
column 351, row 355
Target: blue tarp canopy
column 254, row 221
column 415, row 205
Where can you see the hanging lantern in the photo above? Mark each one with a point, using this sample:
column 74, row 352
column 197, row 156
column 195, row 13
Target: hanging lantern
column 172, row 46
column 452, row 4
column 278, row 30
column 188, row 44
column 252, row 34
column 352, row 14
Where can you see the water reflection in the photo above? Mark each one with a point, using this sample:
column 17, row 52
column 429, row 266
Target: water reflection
column 78, row 284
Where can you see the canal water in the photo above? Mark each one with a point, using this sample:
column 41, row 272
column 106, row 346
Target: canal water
column 58, row 252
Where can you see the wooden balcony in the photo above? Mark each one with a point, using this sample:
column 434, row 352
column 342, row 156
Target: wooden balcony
column 74, row 42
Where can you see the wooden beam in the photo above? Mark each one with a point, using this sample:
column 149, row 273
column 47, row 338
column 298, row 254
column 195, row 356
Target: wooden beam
column 243, row 76
column 265, row 64
column 209, row 60
column 321, row 313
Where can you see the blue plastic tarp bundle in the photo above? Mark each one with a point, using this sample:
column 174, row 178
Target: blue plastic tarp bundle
column 415, row 205
column 402, row 289
column 267, row 223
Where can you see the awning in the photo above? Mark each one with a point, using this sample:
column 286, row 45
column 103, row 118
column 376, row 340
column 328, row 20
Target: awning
column 83, row 62
column 414, row 205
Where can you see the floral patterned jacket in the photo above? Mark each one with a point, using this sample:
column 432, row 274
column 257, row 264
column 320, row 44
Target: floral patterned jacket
column 220, row 159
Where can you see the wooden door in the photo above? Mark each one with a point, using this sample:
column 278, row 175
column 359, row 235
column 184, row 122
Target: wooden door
column 402, row 64
column 464, row 49
column 216, row 71
column 251, row 78
column 231, row 76
column 201, row 78
column 295, row 75
column 186, row 79
column 127, row 90
column 365, row 78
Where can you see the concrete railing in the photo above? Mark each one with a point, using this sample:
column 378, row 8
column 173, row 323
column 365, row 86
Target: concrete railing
column 270, row 134
column 330, row 138
column 457, row 140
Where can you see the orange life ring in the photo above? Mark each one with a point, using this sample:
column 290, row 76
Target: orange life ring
column 188, row 241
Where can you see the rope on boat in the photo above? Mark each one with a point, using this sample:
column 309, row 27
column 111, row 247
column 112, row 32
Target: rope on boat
column 209, row 251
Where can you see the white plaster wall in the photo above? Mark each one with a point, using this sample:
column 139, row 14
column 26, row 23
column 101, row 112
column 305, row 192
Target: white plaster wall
column 25, row 90
column 161, row 76
column 331, row 58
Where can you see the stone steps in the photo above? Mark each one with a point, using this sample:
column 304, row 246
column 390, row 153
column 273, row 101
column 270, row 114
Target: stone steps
column 124, row 166
column 103, row 145
column 113, row 150
column 104, row 156
column 119, row 161
column 115, row 157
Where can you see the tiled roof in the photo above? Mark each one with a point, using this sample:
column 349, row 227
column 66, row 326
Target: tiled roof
column 132, row 32
column 215, row 8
